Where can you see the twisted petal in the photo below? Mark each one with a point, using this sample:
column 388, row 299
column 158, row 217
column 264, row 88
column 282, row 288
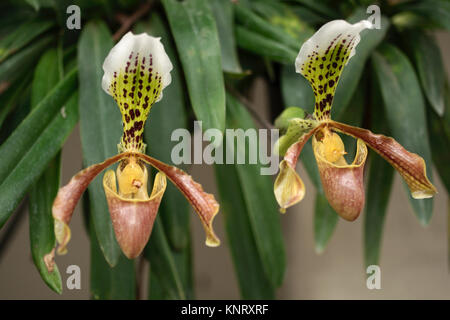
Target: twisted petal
column 410, row 165
column 342, row 183
column 289, row 188
column 322, row 58
column 136, row 70
column 133, row 218
column 68, row 196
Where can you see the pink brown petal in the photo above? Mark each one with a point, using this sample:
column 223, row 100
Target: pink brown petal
column 133, row 219
column 342, row 183
column 288, row 187
column 68, row 197
column 410, row 165
column 204, row 203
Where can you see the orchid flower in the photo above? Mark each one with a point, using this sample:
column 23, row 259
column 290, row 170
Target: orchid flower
column 136, row 71
column 321, row 61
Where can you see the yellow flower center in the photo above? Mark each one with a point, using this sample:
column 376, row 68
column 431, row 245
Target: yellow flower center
column 331, row 146
column 132, row 179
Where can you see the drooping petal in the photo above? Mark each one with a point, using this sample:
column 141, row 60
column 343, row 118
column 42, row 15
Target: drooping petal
column 289, row 188
column 204, row 203
column 136, row 70
column 342, row 183
column 68, row 196
column 410, row 165
column 133, row 218
column 322, row 58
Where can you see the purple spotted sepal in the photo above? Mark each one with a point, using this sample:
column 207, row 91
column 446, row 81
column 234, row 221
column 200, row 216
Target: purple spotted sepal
column 136, row 70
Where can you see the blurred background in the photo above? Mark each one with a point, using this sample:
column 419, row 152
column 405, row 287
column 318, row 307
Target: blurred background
column 414, row 259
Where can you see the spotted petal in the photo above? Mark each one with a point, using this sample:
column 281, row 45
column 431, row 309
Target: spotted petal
column 136, row 70
column 410, row 165
column 322, row 58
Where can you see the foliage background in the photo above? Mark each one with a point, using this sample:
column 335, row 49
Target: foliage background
column 276, row 81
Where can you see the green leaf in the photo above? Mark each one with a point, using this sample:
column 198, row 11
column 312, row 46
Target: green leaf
column 351, row 75
column 436, row 11
column 20, row 63
column 405, row 112
column 430, row 68
column 252, row 22
column 23, row 138
column 309, row 16
column 260, row 45
column 325, row 221
column 183, row 263
column 378, row 191
column 166, row 116
column 285, row 18
column 46, row 76
column 295, row 89
column 262, row 209
column 439, row 141
column 22, row 36
column 110, row 283
column 380, row 178
column 319, row 7
column 43, row 192
column 11, row 16
column 162, row 263
column 10, row 98
column 26, row 156
column 195, row 33
column 100, row 127
column 224, row 15
column 13, row 120
column 34, row 3
column 42, row 236
column 252, row 279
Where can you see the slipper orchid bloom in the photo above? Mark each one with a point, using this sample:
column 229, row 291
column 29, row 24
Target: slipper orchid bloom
column 321, row 61
column 136, row 71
